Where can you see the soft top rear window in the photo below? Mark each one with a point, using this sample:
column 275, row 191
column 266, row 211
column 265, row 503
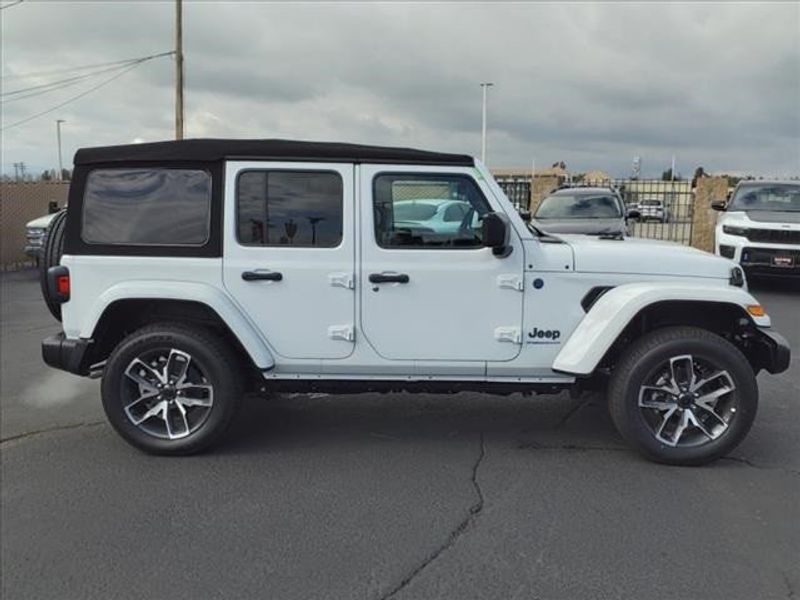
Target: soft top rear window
column 147, row 206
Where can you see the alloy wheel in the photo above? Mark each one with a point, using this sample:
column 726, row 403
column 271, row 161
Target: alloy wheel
column 166, row 393
column 688, row 401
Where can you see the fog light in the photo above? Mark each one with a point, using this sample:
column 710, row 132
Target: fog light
column 727, row 251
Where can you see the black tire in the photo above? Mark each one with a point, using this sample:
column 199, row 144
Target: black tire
column 51, row 256
column 212, row 356
column 650, row 353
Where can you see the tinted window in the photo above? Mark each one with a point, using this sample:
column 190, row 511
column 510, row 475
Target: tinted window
column 456, row 211
column 289, row 208
column 168, row 207
column 579, row 206
column 777, row 197
column 407, row 210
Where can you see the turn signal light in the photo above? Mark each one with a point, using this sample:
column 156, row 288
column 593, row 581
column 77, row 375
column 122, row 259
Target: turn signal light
column 756, row 310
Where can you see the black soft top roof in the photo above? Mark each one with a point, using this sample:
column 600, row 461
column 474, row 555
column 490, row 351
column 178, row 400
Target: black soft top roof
column 205, row 150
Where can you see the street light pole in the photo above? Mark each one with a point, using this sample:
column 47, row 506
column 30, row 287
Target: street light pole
column 58, row 136
column 485, row 87
column 178, row 69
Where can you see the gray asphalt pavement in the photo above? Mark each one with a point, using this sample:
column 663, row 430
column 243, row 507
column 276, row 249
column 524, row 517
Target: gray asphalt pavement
column 378, row 496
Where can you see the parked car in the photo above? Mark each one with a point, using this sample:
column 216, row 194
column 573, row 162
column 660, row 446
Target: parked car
column 196, row 270
column 653, row 209
column 591, row 210
column 760, row 227
column 431, row 215
column 36, row 234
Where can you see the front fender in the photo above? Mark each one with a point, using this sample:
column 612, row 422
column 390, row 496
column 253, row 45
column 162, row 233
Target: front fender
column 615, row 309
column 209, row 295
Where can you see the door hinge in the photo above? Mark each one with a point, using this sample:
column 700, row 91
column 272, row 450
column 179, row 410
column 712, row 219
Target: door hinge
column 345, row 280
column 342, row 332
column 512, row 282
column 508, row 334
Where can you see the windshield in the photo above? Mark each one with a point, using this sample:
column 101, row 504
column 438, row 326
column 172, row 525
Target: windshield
column 651, row 203
column 579, row 206
column 770, row 196
column 411, row 211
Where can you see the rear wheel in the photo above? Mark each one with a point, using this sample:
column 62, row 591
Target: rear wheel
column 52, row 251
column 683, row 396
column 172, row 389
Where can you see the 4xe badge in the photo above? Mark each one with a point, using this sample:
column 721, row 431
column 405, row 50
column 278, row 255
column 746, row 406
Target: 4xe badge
column 544, row 336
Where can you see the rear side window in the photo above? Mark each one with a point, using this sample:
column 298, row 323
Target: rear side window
column 163, row 207
column 302, row 209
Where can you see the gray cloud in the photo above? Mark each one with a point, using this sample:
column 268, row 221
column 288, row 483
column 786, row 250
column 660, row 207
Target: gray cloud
column 591, row 84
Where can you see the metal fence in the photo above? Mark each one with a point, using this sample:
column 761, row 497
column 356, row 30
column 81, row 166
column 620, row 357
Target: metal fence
column 665, row 207
column 517, row 188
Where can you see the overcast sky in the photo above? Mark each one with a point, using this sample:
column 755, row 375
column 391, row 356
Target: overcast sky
column 594, row 85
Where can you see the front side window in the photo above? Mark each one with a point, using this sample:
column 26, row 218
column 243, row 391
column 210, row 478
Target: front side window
column 290, row 208
column 428, row 211
column 161, row 207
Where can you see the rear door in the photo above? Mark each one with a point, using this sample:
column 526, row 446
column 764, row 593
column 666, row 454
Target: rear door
column 289, row 254
column 429, row 291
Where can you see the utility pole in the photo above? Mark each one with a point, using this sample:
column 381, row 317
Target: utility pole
column 178, row 69
column 485, row 87
column 60, row 164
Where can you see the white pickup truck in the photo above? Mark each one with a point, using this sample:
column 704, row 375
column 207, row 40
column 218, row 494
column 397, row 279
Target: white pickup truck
column 196, row 270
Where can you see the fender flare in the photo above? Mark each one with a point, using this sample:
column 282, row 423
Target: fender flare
column 615, row 309
column 247, row 334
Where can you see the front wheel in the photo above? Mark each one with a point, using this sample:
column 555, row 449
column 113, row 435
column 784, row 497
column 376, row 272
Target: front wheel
column 171, row 389
column 683, row 396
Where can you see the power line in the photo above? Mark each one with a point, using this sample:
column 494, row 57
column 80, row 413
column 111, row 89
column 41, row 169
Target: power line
column 81, row 95
column 45, row 88
column 10, row 4
column 82, row 67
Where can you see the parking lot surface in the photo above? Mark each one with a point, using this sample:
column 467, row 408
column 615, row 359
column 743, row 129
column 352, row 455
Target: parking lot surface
column 386, row 496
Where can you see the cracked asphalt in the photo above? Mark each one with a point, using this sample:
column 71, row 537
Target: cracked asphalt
column 386, row 496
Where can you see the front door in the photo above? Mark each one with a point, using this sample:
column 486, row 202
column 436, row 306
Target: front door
column 289, row 254
column 430, row 290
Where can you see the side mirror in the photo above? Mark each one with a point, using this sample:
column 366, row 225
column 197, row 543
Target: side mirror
column 633, row 213
column 495, row 234
column 525, row 214
column 719, row 205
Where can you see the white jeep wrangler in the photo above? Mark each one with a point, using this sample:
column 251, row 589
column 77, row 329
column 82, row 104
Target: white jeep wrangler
column 194, row 271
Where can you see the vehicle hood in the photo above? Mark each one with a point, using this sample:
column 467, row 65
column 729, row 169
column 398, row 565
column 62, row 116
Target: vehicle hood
column 767, row 219
column 41, row 222
column 587, row 226
column 645, row 257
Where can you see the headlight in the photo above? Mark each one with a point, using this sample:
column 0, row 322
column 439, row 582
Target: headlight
column 34, row 233
column 731, row 230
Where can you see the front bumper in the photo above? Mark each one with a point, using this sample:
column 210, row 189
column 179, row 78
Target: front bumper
column 759, row 258
column 67, row 354
column 772, row 351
